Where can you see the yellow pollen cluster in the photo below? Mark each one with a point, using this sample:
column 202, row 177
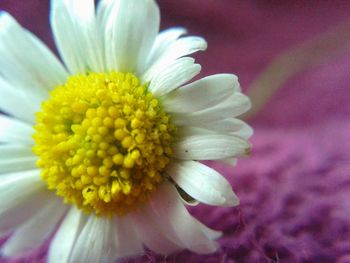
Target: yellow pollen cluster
column 103, row 141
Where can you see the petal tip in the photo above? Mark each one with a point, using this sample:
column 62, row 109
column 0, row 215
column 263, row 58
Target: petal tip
column 197, row 67
column 234, row 201
column 5, row 19
column 204, row 45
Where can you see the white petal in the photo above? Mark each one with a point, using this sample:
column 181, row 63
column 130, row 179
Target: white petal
column 22, row 195
column 63, row 241
column 175, row 221
column 210, row 233
column 203, row 183
column 126, row 241
column 185, row 46
column 15, row 131
column 210, row 129
column 106, row 15
column 150, row 233
column 233, row 106
column 35, row 231
column 77, row 35
column 210, row 147
column 131, row 29
column 8, row 152
column 94, row 242
column 229, row 126
column 229, row 161
column 246, row 132
column 18, row 103
column 172, row 77
column 186, row 198
column 179, row 48
column 26, row 61
column 163, row 41
column 201, row 94
column 104, row 9
column 18, row 164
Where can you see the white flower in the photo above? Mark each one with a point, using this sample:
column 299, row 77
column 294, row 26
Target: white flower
column 117, row 135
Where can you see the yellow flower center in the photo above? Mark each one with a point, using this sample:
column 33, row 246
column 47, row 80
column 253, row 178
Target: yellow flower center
column 103, row 141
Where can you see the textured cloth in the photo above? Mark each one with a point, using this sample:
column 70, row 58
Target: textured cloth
column 295, row 187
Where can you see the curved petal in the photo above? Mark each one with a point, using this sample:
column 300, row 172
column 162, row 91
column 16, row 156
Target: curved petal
column 201, row 94
column 23, row 195
column 25, row 61
column 208, row 232
column 233, row 106
column 163, row 40
column 176, row 222
column 203, row 183
column 179, row 48
column 151, row 234
column 94, row 242
column 130, row 32
column 15, row 131
column 63, row 241
column 35, row 231
column 16, row 102
column 208, row 146
column 185, row 197
column 77, row 36
column 172, row 77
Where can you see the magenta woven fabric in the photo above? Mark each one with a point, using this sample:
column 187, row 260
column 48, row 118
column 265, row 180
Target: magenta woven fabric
column 295, row 187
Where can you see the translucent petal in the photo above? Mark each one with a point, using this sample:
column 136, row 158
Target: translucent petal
column 176, row 222
column 35, row 230
column 203, row 183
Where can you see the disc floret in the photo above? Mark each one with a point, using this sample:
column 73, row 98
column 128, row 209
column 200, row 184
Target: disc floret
column 103, row 141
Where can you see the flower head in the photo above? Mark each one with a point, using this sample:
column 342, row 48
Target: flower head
column 107, row 145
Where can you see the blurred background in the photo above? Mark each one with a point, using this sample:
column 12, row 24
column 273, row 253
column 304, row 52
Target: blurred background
column 293, row 58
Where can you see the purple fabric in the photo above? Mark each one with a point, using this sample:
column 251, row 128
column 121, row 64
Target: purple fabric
column 295, row 187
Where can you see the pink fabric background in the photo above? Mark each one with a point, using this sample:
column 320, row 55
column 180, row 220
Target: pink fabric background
column 295, row 187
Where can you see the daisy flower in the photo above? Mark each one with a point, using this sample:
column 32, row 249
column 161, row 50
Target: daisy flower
column 103, row 150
